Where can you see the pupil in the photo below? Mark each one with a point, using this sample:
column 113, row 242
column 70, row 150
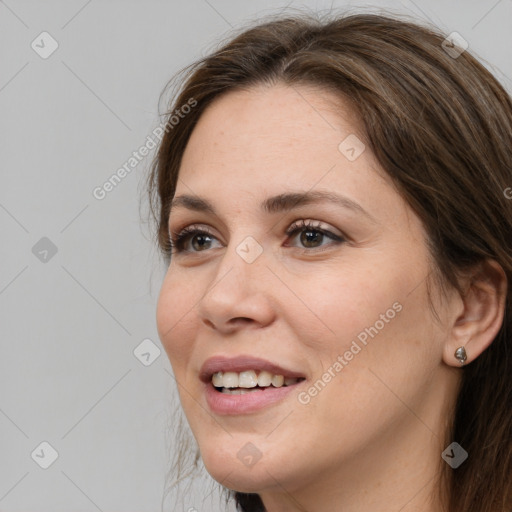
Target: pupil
column 310, row 236
column 199, row 237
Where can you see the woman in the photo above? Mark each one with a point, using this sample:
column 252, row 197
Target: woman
column 333, row 209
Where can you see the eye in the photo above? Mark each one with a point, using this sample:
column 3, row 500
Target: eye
column 311, row 234
column 200, row 238
column 193, row 239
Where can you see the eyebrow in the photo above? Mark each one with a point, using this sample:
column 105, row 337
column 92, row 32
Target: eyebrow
column 275, row 204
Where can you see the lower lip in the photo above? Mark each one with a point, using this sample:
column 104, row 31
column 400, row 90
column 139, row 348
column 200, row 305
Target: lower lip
column 223, row 403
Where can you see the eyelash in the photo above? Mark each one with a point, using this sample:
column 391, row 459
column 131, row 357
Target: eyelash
column 178, row 239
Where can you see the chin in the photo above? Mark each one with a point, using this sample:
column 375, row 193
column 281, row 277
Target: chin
column 245, row 480
column 242, row 470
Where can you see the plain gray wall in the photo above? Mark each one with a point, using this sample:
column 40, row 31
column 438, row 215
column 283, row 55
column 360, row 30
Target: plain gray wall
column 70, row 321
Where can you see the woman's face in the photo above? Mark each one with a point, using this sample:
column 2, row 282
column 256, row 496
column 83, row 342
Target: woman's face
column 340, row 304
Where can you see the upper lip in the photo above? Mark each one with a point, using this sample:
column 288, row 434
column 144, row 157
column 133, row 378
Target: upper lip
column 242, row 363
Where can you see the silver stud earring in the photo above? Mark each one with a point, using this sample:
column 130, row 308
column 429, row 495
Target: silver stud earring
column 460, row 355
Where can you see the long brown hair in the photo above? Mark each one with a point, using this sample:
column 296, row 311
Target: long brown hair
column 441, row 126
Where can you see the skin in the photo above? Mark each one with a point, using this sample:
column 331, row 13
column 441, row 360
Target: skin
column 371, row 439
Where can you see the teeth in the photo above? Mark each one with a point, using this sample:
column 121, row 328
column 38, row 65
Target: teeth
column 238, row 391
column 277, row 381
column 233, row 382
column 217, row 379
column 264, row 378
column 230, row 380
column 248, row 379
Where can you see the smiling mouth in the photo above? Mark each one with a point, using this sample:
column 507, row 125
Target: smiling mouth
column 250, row 381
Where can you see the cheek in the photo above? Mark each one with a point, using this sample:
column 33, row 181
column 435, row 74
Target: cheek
column 335, row 305
column 386, row 345
column 377, row 320
column 174, row 318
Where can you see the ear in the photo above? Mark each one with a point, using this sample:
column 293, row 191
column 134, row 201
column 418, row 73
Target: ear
column 483, row 312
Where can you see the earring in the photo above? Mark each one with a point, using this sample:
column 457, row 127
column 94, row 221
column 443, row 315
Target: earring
column 460, row 355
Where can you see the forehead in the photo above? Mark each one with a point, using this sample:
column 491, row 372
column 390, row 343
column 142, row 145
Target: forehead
column 270, row 132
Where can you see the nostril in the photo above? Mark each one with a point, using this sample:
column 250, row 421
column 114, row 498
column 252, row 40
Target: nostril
column 241, row 320
column 209, row 323
column 230, row 326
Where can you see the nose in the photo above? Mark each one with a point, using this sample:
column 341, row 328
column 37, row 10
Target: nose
column 238, row 294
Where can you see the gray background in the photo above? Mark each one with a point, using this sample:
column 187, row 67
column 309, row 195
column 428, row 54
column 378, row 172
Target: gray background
column 70, row 321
